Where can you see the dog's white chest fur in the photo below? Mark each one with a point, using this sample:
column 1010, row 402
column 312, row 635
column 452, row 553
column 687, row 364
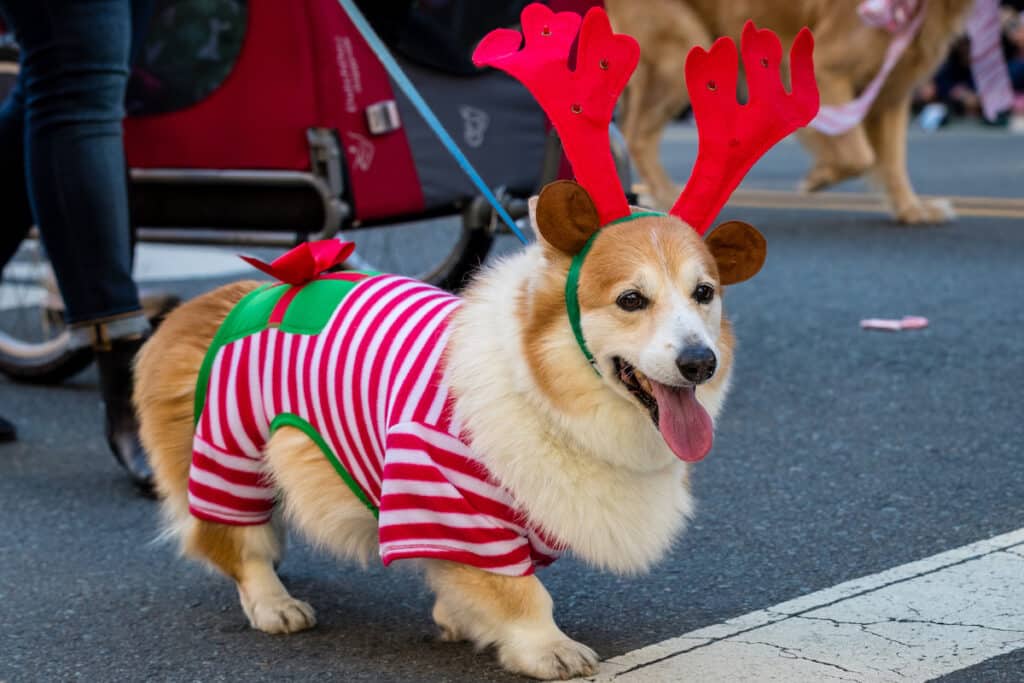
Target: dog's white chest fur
column 603, row 483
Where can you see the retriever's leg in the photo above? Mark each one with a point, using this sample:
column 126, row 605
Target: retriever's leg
column 839, row 157
column 887, row 130
column 657, row 91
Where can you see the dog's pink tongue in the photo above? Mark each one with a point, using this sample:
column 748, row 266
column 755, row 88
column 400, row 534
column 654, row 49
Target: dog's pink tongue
column 683, row 422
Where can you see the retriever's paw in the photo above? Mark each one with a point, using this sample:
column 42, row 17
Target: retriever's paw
column 926, row 212
column 558, row 658
column 661, row 198
column 817, row 179
column 282, row 614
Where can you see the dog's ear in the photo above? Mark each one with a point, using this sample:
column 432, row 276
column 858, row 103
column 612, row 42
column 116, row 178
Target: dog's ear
column 739, row 250
column 565, row 217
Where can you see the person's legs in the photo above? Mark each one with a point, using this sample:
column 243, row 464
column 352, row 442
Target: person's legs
column 16, row 218
column 74, row 70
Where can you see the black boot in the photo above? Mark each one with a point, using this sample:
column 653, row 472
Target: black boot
column 156, row 304
column 115, row 366
column 7, row 431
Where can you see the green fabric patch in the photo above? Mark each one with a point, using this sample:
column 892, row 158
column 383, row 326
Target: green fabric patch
column 247, row 317
column 292, row 420
column 314, row 305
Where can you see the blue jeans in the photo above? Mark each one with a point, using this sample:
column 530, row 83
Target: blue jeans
column 62, row 161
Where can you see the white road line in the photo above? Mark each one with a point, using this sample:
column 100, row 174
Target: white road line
column 910, row 623
column 155, row 262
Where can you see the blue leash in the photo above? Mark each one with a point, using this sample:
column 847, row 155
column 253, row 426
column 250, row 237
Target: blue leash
column 406, row 86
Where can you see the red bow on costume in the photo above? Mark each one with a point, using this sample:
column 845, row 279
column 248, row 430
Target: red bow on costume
column 305, row 262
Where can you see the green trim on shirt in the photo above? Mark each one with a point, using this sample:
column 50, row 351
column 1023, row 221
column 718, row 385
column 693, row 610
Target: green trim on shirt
column 293, row 420
column 249, row 315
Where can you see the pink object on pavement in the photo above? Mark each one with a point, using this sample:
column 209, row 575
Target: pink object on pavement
column 909, row 322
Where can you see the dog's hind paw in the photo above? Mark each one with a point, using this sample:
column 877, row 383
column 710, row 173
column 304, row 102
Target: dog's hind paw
column 560, row 659
column 926, row 212
column 282, row 614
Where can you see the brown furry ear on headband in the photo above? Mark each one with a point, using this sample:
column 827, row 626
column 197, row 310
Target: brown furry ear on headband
column 739, row 250
column 566, row 216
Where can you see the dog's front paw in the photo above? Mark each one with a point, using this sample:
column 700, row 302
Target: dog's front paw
column 449, row 630
column 557, row 658
column 283, row 614
column 926, row 212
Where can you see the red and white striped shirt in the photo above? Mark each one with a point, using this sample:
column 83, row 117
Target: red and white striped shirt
column 368, row 387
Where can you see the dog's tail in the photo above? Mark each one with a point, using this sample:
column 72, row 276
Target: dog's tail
column 166, row 371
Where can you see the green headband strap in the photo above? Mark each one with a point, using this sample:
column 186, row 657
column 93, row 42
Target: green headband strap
column 572, row 282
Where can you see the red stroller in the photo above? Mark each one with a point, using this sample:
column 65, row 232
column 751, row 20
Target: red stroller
column 263, row 122
column 306, row 132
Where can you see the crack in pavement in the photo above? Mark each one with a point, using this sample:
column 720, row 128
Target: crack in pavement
column 904, row 620
column 865, row 628
column 795, row 653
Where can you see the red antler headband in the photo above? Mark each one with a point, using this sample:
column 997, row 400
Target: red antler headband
column 580, row 102
column 733, row 136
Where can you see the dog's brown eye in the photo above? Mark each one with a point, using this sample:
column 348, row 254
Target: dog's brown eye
column 704, row 294
column 632, row 300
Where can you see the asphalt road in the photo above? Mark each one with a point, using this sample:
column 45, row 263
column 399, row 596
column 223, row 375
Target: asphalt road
column 841, row 453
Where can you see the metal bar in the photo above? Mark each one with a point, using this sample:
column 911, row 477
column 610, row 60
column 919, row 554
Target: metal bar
column 213, row 236
column 335, row 210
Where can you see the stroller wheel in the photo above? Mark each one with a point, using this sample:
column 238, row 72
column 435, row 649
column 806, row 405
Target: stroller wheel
column 35, row 345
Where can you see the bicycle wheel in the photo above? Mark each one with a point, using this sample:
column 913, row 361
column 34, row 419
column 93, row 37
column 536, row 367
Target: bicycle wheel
column 35, row 344
column 443, row 252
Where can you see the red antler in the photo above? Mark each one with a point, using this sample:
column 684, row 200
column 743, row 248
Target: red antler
column 579, row 103
column 734, row 136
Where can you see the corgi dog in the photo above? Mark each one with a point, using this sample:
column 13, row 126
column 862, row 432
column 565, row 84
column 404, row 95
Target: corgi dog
column 555, row 407
column 595, row 462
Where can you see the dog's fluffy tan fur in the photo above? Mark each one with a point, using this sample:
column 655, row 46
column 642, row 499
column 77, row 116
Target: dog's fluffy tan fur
column 578, row 454
column 847, row 56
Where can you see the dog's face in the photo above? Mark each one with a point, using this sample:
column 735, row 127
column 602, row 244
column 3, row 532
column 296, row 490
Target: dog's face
column 649, row 301
column 651, row 307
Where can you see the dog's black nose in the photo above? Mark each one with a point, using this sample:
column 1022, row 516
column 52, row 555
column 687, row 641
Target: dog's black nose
column 697, row 363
